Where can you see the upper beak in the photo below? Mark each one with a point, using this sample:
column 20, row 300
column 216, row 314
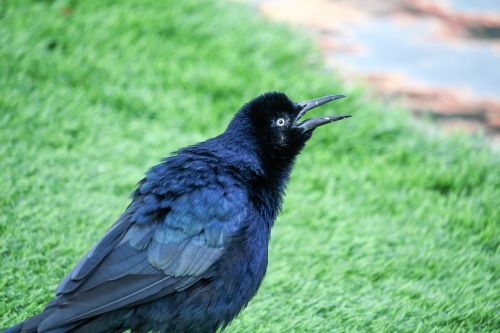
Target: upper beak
column 311, row 124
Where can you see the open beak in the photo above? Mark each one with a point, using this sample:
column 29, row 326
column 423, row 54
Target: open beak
column 311, row 124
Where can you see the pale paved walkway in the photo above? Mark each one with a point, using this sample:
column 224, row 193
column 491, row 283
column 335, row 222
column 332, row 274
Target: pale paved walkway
column 439, row 56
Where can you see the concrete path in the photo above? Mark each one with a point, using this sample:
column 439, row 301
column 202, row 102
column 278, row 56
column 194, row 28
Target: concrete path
column 440, row 57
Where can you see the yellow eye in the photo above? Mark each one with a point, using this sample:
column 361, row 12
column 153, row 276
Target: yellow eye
column 280, row 122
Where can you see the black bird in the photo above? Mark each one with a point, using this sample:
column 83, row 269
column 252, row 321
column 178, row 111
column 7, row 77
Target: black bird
column 190, row 250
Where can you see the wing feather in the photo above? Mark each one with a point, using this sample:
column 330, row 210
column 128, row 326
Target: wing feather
column 142, row 258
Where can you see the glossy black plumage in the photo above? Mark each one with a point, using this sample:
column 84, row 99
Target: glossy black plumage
column 190, row 250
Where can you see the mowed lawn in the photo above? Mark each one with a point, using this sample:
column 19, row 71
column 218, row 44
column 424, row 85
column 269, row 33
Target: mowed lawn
column 388, row 226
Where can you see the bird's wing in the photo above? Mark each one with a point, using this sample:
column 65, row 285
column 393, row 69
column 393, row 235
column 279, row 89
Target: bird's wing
column 160, row 245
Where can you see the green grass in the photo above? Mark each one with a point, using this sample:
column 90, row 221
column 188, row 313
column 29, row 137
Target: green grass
column 386, row 227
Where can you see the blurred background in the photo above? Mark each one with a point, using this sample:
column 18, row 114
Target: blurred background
column 389, row 224
column 437, row 57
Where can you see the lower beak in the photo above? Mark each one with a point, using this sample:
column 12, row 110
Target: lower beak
column 311, row 124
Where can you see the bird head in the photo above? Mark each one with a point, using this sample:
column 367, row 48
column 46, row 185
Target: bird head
column 278, row 123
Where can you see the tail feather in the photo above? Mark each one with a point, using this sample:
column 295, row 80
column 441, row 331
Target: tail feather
column 30, row 325
column 14, row 329
column 111, row 322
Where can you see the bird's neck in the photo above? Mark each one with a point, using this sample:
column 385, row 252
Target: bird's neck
column 269, row 172
column 269, row 190
column 265, row 173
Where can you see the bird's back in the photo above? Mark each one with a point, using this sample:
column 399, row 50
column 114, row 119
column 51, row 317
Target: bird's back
column 186, row 256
